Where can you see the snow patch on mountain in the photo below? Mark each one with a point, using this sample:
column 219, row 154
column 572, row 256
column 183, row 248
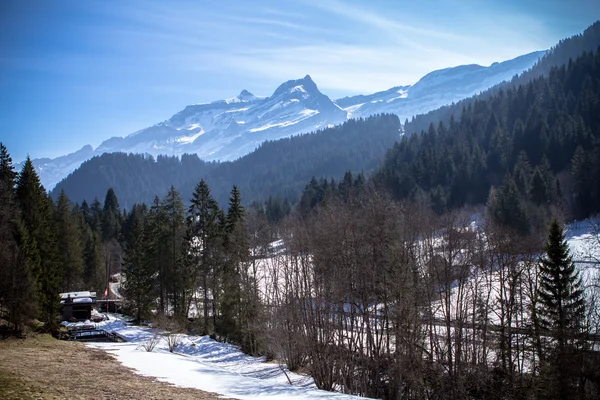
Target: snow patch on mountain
column 437, row 88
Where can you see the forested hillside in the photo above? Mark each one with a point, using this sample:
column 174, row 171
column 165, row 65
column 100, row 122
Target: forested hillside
column 567, row 49
column 279, row 167
column 536, row 144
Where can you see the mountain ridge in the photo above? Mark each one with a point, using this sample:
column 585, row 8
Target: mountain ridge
column 230, row 128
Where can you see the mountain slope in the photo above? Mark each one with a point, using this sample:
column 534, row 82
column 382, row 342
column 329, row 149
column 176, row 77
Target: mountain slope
column 438, row 88
column 279, row 167
column 517, row 150
column 228, row 129
column 567, row 50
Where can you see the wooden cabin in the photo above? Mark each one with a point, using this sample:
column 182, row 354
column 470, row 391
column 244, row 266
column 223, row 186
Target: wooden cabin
column 77, row 305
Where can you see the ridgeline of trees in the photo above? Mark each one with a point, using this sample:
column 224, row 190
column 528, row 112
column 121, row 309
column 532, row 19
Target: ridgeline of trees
column 524, row 151
column 277, row 168
column 567, row 49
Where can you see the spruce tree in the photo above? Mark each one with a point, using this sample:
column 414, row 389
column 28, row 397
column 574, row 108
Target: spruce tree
column 562, row 311
column 177, row 284
column 230, row 301
column 241, row 316
column 96, row 216
column 539, row 189
column 70, row 246
column 111, row 217
column 17, row 294
column 157, row 250
column 205, row 242
column 37, row 213
column 8, row 175
column 94, row 270
column 139, row 286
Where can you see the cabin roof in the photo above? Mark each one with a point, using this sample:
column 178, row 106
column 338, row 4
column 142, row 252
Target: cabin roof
column 77, row 295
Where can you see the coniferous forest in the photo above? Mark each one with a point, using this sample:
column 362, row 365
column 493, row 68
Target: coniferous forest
column 445, row 274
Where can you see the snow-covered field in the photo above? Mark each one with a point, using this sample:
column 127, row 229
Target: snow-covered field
column 202, row 363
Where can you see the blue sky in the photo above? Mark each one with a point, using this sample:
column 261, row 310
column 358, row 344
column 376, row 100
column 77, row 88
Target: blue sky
column 79, row 72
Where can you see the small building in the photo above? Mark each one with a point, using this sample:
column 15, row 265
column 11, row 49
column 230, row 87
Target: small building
column 77, row 305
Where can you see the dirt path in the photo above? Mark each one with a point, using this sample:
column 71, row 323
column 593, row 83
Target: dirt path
column 45, row 368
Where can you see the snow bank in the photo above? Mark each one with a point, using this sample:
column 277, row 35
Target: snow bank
column 202, row 363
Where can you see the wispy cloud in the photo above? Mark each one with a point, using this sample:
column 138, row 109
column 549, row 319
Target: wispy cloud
column 390, row 26
column 339, row 68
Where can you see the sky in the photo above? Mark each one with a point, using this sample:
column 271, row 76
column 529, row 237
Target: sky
column 79, row 72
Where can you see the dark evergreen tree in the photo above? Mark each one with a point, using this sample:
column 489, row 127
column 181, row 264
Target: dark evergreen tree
column 70, row 246
column 139, row 286
column 157, row 250
column 205, row 246
column 506, row 207
column 562, row 313
column 236, row 252
column 36, row 209
column 111, row 217
column 93, row 270
column 96, row 216
column 539, row 188
column 17, row 287
column 177, row 283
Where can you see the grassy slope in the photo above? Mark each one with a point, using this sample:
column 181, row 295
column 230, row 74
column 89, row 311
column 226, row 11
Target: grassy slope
column 41, row 367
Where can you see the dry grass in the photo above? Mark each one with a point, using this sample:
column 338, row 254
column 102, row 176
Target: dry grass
column 41, row 367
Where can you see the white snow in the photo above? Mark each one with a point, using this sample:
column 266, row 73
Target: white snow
column 303, row 114
column 189, row 139
column 298, row 88
column 202, row 363
column 83, row 300
column 193, row 126
column 307, row 112
column 353, row 108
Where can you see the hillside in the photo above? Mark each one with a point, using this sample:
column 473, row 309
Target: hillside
column 537, row 144
column 561, row 54
column 279, row 167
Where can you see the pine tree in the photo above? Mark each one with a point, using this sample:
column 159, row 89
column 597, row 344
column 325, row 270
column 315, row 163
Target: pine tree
column 177, row 284
column 240, row 310
column 93, row 273
column 17, row 294
column 506, row 207
column 230, row 301
column 539, row 189
column 70, row 246
column 562, row 310
column 205, row 241
column 37, row 210
column 157, row 250
column 8, row 175
column 96, row 216
column 111, row 217
column 139, row 286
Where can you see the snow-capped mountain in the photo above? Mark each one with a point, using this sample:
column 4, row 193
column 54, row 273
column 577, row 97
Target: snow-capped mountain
column 228, row 129
column 52, row 171
column 437, row 88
